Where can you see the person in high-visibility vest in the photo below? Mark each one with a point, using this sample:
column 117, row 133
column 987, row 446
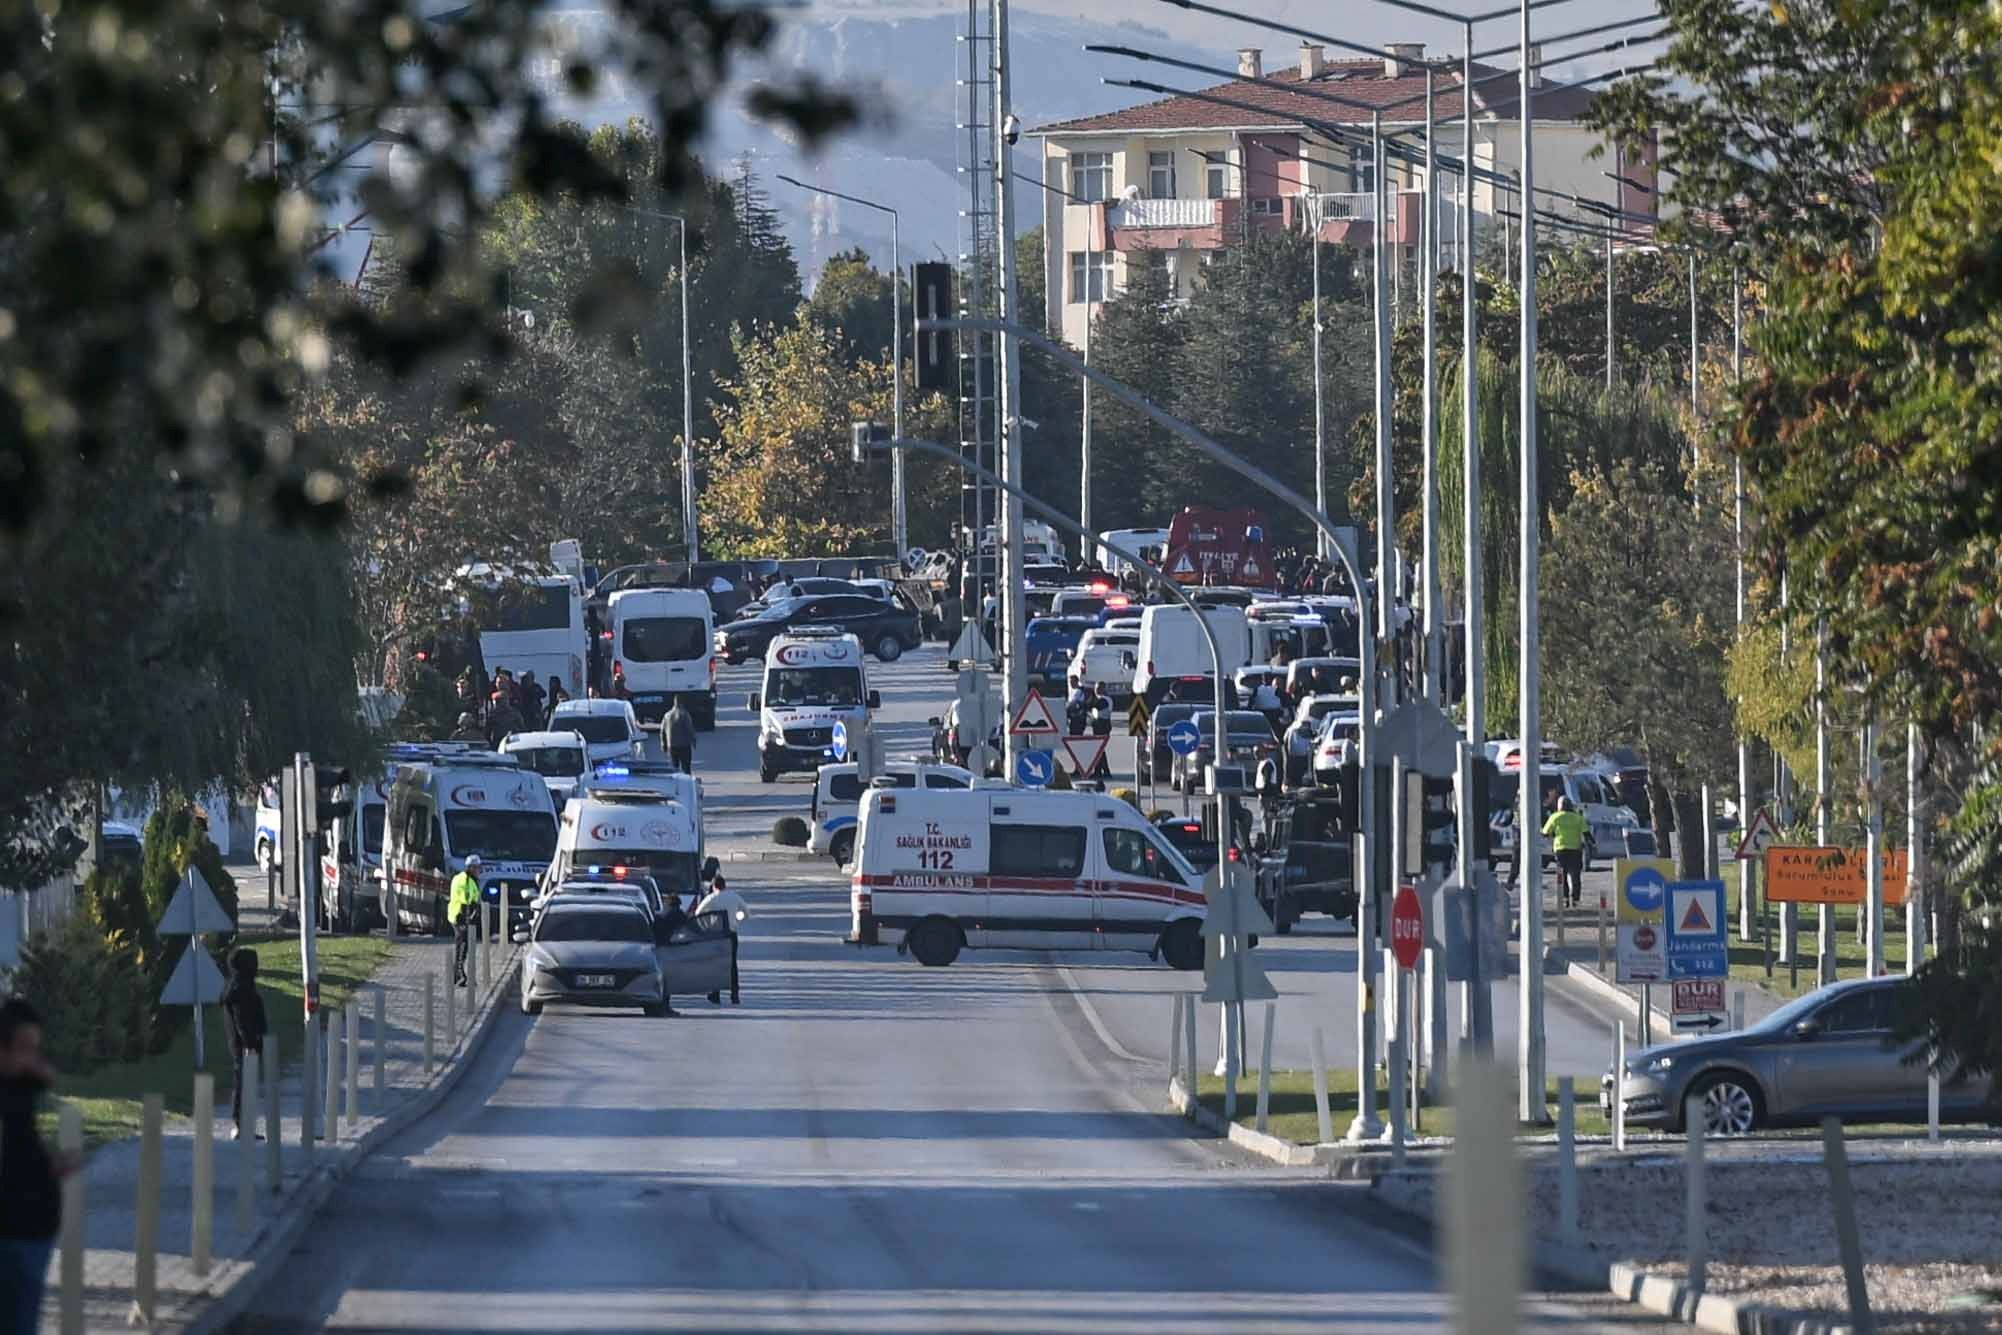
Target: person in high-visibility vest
column 1566, row 831
column 462, row 906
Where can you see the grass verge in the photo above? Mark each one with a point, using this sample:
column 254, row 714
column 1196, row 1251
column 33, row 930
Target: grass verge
column 110, row 1096
column 1293, row 1116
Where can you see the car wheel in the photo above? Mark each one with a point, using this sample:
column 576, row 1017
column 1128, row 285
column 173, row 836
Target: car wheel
column 934, row 943
column 530, row 1007
column 1731, row 1104
column 1182, row 945
column 655, row 1010
column 843, row 848
column 889, row 649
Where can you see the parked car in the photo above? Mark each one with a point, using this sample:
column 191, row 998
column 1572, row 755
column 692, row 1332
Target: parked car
column 1246, row 732
column 886, row 630
column 1155, row 758
column 1829, row 1053
column 1304, row 732
column 1048, row 643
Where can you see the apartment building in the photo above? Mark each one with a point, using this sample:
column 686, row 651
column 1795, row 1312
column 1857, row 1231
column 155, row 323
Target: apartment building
column 1186, row 176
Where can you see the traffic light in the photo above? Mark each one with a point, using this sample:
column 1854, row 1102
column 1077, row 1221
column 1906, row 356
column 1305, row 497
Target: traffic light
column 1429, row 821
column 1483, row 799
column 933, row 362
column 326, row 807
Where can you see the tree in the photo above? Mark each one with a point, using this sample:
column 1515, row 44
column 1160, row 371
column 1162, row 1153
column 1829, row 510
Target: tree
column 853, row 299
column 1633, row 551
column 1137, row 340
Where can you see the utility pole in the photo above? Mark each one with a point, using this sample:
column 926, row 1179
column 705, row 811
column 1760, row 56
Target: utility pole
column 1014, row 668
column 1609, row 308
column 899, row 503
column 1825, row 928
column 1530, row 1035
column 1090, row 554
column 1873, row 848
column 1320, row 415
column 1747, row 916
column 1386, row 544
column 687, row 411
column 1477, row 1006
column 1428, row 281
column 1915, row 900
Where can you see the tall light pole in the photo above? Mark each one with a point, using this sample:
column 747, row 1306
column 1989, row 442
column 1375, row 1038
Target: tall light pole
column 1530, row 1036
column 1428, row 278
column 1386, row 544
column 1477, row 1005
column 899, row 504
column 1009, row 374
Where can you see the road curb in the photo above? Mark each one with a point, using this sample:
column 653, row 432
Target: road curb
column 1672, row 1298
column 1347, row 1163
column 771, row 855
column 231, row 1295
column 1610, row 993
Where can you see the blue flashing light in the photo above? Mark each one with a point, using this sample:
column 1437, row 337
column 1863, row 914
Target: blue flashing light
column 592, row 870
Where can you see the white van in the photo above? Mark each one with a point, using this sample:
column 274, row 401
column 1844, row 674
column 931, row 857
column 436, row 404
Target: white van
column 1135, row 540
column 441, row 811
column 1008, row 868
column 837, row 799
column 1102, row 658
column 1173, row 647
column 559, row 757
column 1301, row 635
column 662, row 641
column 640, row 828
column 814, row 678
column 351, row 865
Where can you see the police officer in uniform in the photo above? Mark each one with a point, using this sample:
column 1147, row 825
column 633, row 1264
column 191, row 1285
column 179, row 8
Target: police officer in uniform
column 462, row 909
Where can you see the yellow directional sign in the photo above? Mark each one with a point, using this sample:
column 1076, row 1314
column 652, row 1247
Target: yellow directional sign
column 1137, row 715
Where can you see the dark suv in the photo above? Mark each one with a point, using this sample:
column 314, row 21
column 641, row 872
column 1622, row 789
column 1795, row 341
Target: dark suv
column 1308, row 864
column 886, row 629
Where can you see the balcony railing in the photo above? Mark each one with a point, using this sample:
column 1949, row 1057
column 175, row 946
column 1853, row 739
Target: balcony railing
column 1341, row 207
column 1163, row 213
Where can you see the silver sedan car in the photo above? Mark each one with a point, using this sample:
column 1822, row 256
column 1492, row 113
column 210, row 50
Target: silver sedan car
column 1830, row 1052
column 591, row 951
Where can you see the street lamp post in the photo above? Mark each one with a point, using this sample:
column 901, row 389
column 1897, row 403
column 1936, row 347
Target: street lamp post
column 1530, row 1036
column 899, row 502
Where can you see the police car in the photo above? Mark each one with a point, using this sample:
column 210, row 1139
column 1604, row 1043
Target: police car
column 814, row 678
column 995, row 867
column 837, row 799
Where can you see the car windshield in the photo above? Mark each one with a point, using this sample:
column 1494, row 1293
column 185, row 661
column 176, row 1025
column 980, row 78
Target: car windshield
column 838, row 686
column 1240, row 722
column 1341, row 726
column 552, row 762
column 371, row 828
column 673, row 870
column 502, row 836
column 599, row 728
column 620, row 925
column 664, row 639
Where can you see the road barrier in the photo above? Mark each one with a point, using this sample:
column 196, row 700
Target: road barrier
column 352, row 1046
column 330, row 1126
column 1189, row 1041
column 430, row 1021
column 451, row 1009
column 1175, row 1041
column 381, row 1049
column 1619, row 1085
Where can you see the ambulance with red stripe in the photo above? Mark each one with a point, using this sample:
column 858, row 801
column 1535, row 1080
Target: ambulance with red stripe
column 995, row 867
column 442, row 811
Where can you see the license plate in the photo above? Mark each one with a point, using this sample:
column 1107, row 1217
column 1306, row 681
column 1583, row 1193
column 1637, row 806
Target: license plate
column 648, row 699
column 594, row 980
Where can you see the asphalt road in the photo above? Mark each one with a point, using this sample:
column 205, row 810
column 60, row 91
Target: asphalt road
column 864, row 1146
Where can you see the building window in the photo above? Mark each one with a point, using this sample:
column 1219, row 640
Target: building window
column 1267, row 204
column 1161, row 175
column 1092, row 270
column 1362, row 171
column 1091, row 176
column 1216, row 181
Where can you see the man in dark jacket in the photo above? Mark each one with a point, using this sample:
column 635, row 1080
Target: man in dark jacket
column 31, row 1201
column 677, row 734
column 243, row 1017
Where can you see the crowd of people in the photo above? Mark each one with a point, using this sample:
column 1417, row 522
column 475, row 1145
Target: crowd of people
column 504, row 706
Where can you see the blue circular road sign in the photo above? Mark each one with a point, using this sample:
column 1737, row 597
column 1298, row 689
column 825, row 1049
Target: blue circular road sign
column 840, row 740
column 1184, row 737
column 1646, row 890
column 1035, row 769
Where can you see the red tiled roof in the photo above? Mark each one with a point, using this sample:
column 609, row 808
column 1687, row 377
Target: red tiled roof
column 1357, row 80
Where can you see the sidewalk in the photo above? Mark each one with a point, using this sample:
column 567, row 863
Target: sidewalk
column 111, row 1177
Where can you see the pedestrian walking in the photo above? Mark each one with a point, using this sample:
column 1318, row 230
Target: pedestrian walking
column 528, row 698
column 462, row 907
column 722, row 899
column 557, row 694
column 243, row 1020
column 1566, row 831
column 31, row 1201
column 677, row 732
column 672, row 916
column 503, row 716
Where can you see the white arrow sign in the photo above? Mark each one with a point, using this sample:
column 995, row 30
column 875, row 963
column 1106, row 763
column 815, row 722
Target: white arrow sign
column 194, row 909
column 195, row 981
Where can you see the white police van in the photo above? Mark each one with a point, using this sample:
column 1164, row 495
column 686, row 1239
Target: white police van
column 442, row 811
column 1009, row 868
column 837, row 799
column 814, row 679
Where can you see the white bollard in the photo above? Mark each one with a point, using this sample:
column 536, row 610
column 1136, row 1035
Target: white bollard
column 309, row 1072
column 69, row 1139
column 431, row 1021
column 1695, row 1197
column 274, row 1117
column 1485, row 1256
column 1602, row 932
column 146, row 1213
column 1932, row 1103
column 451, row 1012
column 1233, row 1054
column 1189, row 1044
column 1265, row 1067
column 381, row 1047
column 1619, row 1086
column 1175, row 1039
column 1738, row 1011
column 1567, row 1160
column 201, row 1236
column 246, row 1154
column 330, row 1129
column 1324, row 1123
column 352, row 1046
column 1398, row 1105
column 487, row 946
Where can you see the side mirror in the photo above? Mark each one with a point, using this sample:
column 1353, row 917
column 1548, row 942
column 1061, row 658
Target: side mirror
column 520, row 938
column 710, row 866
column 1806, row 1029
column 875, row 699
column 935, row 722
column 754, row 703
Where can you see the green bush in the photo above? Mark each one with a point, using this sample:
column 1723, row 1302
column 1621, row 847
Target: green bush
column 790, row 832
column 93, row 992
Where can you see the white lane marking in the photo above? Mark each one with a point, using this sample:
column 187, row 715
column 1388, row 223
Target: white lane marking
column 1092, row 1018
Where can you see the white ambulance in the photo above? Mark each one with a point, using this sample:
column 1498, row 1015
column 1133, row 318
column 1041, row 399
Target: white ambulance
column 1008, row 868
column 652, row 828
column 837, row 799
column 814, row 679
column 351, row 856
column 443, row 810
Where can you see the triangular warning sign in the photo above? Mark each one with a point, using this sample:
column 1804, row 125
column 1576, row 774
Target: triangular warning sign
column 193, row 909
column 1760, row 835
column 1085, row 753
column 972, row 646
column 1183, row 566
column 194, row 980
column 1695, row 919
column 1035, row 719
